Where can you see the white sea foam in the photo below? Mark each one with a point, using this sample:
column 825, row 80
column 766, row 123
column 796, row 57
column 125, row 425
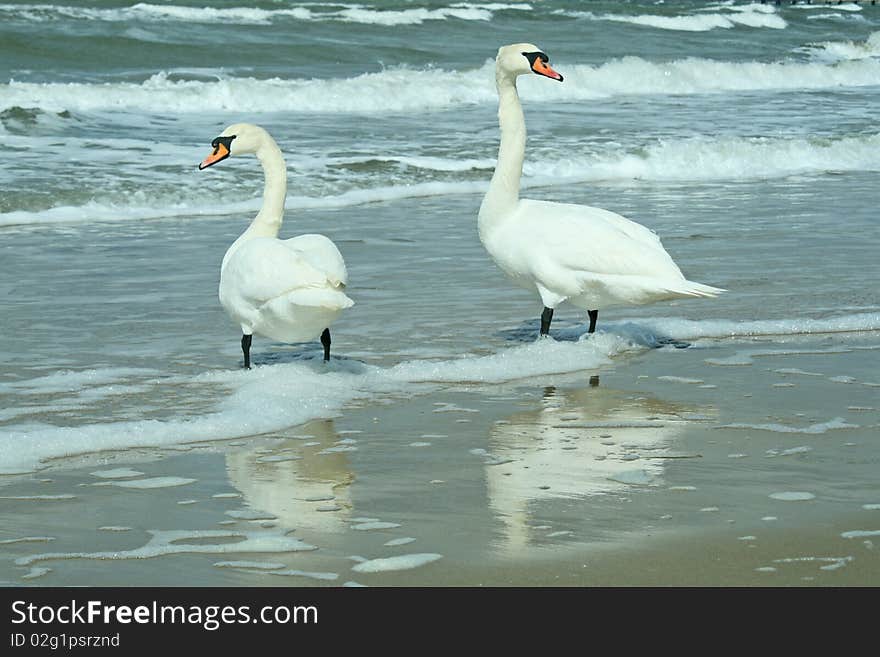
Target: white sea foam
column 36, row 571
column 262, row 400
column 70, row 380
column 834, row 51
column 310, row 575
column 746, row 357
column 402, row 562
column 754, row 15
column 250, row 514
column 795, row 370
column 117, row 473
column 730, row 158
column 250, row 565
column 679, row 379
column 685, row 329
column 803, row 449
column 174, row 542
column 832, row 563
column 30, row 539
column 861, row 533
column 307, row 12
column 368, row 526
column 725, row 158
column 817, row 428
column 404, row 89
column 97, row 212
column 38, row 498
column 848, row 6
column 150, row 483
column 792, row 496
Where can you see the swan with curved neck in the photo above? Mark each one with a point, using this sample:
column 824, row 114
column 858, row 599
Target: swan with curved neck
column 287, row 290
column 590, row 257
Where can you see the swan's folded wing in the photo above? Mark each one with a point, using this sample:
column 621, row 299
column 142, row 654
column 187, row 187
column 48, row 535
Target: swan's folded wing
column 319, row 297
column 322, row 254
column 264, row 269
column 575, row 238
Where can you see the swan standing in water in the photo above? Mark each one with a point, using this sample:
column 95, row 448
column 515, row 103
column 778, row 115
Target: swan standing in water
column 591, row 257
column 288, row 290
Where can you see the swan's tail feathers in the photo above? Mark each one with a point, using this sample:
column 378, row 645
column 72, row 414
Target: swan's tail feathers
column 691, row 289
column 320, row 297
column 301, row 315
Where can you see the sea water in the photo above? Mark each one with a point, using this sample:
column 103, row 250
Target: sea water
column 744, row 134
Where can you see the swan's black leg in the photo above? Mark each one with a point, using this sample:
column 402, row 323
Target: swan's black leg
column 594, row 315
column 546, row 318
column 325, row 340
column 246, row 348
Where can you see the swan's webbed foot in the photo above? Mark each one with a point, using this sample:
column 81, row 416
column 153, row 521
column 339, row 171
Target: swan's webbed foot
column 325, row 340
column 593, row 315
column 546, row 318
column 246, row 348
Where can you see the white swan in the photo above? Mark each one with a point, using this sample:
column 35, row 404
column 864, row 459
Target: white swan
column 287, row 290
column 591, row 257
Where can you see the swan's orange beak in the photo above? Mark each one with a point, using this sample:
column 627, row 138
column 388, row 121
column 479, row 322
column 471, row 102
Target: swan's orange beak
column 221, row 152
column 541, row 67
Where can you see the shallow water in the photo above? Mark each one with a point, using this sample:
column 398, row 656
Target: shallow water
column 743, row 134
column 715, row 472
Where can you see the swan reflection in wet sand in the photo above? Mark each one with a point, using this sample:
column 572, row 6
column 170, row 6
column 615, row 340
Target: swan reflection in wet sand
column 579, row 443
column 303, row 482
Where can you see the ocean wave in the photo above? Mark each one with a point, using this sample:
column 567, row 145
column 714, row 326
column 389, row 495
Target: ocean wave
column 731, row 158
column 402, row 89
column 103, row 211
column 636, row 76
column 685, row 160
column 835, row 51
column 393, row 90
column 339, row 12
column 752, row 15
column 848, row 6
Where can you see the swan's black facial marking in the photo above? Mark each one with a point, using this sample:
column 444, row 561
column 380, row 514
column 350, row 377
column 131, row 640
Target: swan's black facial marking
column 532, row 56
column 222, row 150
column 226, row 141
column 539, row 62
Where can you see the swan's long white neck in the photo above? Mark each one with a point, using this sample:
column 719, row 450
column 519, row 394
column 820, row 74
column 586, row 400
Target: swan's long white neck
column 267, row 223
column 503, row 194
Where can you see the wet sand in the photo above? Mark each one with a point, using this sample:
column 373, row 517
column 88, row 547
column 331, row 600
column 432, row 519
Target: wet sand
column 729, row 463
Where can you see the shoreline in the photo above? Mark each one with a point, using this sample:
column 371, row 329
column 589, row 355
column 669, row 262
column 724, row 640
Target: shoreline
column 662, row 474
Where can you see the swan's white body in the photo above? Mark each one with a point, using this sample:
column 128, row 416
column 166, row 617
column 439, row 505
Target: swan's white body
column 287, row 290
column 565, row 252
